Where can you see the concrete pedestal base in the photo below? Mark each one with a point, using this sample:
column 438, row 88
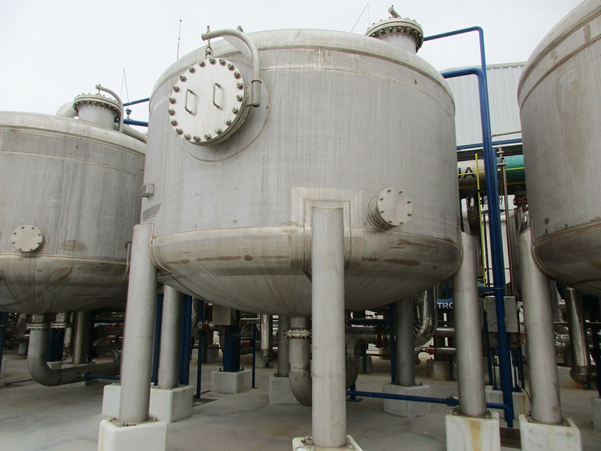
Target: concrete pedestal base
column 305, row 443
column 369, row 365
column 280, row 391
column 469, row 433
column 548, row 437
column 224, row 382
column 149, row 436
column 407, row 409
column 166, row 405
column 596, row 406
column 440, row 370
column 521, row 405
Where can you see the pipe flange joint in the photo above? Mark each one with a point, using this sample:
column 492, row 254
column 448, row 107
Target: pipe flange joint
column 398, row 25
column 297, row 333
column 98, row 101
column 38, row 326
column 391, row 208
column 60, row 325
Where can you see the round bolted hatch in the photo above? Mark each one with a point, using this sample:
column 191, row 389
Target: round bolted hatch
column 391, row 208
column 208, row 103
column 27, row 239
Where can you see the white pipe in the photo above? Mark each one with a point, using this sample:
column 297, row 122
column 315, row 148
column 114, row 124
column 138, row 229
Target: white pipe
column 405, row 350
column 540, row 337
column 132, row 132
column 67, row 110
column 266, row 338
column 138, row 337
column 327, row 268
column 283, row 347
column 467, row 313
column 299, row 375
column 173, row 303
column 119, row 101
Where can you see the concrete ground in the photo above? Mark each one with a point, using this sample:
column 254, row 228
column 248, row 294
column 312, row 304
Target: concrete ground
column 36, row 418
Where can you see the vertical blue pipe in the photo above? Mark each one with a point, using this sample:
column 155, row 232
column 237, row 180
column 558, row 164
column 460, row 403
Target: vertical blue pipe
column 157, row 340
column 201, row 348
column 185, row 369
column 254, row 354
column 392, row 345
column 3, row 323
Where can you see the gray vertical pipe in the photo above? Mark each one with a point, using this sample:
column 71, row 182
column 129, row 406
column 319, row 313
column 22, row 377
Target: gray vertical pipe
column 327, row 268
column 81, row 337
column 405, row 351
column 581, row 364
column 283, row 347
column 540, row 337
column 139, row 330
column 300, row 360
column 266, row 338
column 173, row 303
column 467, row 312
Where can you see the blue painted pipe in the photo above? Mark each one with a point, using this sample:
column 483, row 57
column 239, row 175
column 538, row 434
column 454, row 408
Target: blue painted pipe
column 392, row 345
column 201, row 349
column 185, row 354
column 3, row 323
column 90, row 376
column 132, row 122
column 492, row 193
column 158, row 326
column 254, row 354
column 135, row 102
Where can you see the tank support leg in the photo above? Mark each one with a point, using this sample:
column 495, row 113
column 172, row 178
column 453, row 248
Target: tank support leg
column 173, row 303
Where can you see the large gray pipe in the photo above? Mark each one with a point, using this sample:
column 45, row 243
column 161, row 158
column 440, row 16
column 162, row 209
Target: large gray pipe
column 538, row 321
column 467, row 312
column 266, row 338
column 171, row 328
column 283, row 347
column 327, row 268
column 427, row 318
column 81, row 337
column 138, row 337
column 38, row 366
column 405, row 349
column 581, row 365
column 299, row 337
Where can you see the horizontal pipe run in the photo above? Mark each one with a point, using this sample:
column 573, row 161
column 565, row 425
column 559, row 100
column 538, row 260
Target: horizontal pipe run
column 494, row 143
column 135, row 102
column 90, row 376
column 132, row 122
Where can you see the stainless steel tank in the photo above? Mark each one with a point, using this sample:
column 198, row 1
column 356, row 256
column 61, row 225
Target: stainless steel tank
column 559, row 95
column 70, row 198
column 343, row 120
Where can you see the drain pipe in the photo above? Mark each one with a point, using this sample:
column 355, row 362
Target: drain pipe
column 38, row 366
column 283, row 347
column 299, row 335
column 266, row 338
column 427, row 318
column 581, row 365
column 173, row 303
column 538, row 321
column 82, row 337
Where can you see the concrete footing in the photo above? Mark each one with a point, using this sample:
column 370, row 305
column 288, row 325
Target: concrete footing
column 232, row 383
column 469, row 433
column 166, row 405
column 407, row 409
column 369, row 365
column 549, row 437
column 596, row 406
column 521, row 405
column 149, row 436
column 440, row 370
column 306, row 444
column 280, row 391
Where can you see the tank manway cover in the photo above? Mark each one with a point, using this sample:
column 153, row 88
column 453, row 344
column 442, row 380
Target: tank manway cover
column 27, row 239
column 391, row 208
column 208, row 103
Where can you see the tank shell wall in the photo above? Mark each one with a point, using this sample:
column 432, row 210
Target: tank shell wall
column 79, row 184
column 341, row 118
column 559, row 96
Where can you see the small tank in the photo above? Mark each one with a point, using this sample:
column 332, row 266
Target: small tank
column 340, row 120
column 559, row 96
column 70, row 198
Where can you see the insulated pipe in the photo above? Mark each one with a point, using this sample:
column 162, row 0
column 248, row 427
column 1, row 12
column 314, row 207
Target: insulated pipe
column 139, row 330
column 173, row 302
column 132, row 132
column 255, row 96
column 82, row 337
column 38, row 366
column 266, row 338
column 405, row 350
column 299, row 337
column 581, row 365
column 467, row 313
column 67, row 110
column 283, row 347
column 538, row 321
column 327, row 269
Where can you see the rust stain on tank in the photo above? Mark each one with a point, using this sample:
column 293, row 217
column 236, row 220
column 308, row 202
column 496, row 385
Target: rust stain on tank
column 370, row 259
column 73, row 246
column 402, row 244
column 400, row 261
column 273, row 257
column 60, row 274
column 222, row 258
column 248, row 258
column 183, row 261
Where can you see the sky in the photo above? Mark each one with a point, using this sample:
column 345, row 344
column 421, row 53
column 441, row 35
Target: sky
column 53, row 50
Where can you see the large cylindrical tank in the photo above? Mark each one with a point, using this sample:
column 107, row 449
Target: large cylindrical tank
column 70, row 198
column 559, row 95
column 342, row 119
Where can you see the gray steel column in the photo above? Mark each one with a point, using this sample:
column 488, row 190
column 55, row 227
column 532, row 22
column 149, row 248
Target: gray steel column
column 139, row 330
column 581, row 364
column 405, row 350
column 540, row 337
column 81, row 337
column 171, row 325
column 327, row 271
column 467, row 312
column 283, row 347
column 266, row 337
